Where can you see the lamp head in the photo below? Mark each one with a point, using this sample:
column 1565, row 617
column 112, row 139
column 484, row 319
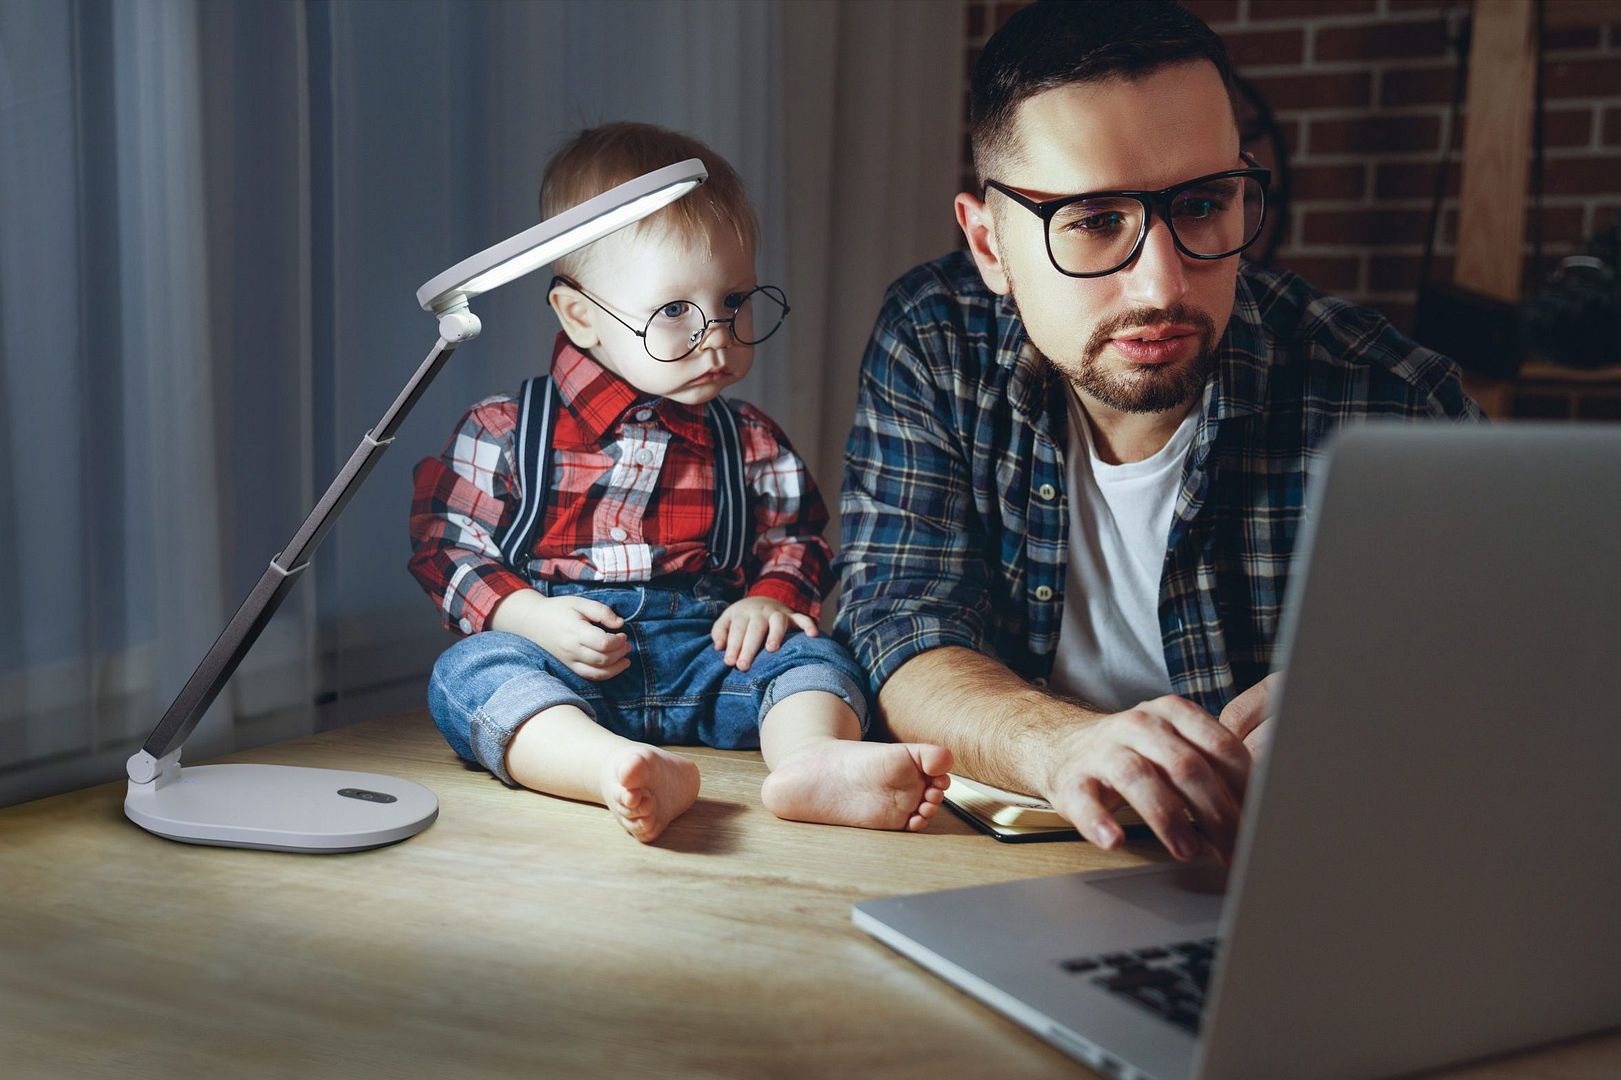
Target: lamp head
column 557, row 236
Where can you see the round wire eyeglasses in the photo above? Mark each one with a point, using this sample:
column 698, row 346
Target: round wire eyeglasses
column 677, row 327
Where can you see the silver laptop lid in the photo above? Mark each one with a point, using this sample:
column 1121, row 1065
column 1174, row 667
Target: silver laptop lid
column 1459, row 616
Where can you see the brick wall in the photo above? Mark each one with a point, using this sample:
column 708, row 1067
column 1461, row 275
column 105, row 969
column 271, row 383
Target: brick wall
column 1361, row 91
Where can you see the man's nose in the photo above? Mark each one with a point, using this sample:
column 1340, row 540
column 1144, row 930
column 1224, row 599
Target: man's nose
column 1158, row 278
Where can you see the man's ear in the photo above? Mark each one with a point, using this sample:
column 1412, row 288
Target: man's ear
column 577, row 316
column 979, row 226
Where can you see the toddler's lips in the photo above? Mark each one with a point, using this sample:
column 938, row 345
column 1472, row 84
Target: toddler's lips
column 711, row 376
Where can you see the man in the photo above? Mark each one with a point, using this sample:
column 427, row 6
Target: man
column 1080, row 450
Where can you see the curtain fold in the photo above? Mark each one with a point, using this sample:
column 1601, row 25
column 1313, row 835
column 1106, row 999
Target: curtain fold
column 213, row 220
column 875, row 128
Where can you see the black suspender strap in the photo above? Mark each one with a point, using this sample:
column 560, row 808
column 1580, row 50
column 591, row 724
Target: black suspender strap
column 729, row 535
column 537, row 411
column 537, row 415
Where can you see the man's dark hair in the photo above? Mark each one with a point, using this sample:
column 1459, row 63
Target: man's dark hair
column 1054, row 43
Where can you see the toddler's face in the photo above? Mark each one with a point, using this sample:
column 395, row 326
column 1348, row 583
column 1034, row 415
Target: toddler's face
column 656, row 274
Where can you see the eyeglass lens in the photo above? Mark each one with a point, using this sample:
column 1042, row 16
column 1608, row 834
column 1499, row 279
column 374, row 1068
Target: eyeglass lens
column 1216, row 218
column 677, row 328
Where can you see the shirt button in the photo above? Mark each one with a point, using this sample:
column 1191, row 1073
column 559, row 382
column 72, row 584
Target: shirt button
column 1043, row 593
column 644, row 415
column 467, row 626
column 1041, row 683
column 643, row 456
column 617, row 533
column 1047, row 491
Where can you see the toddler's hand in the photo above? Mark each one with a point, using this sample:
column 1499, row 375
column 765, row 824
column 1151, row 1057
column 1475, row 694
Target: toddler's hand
column 753, row 620
column 571, row 629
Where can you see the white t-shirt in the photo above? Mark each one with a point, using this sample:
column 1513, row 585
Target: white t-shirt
column 1110, row 653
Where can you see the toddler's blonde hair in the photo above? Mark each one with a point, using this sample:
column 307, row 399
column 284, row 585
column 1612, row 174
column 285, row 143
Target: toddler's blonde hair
column 601, row 158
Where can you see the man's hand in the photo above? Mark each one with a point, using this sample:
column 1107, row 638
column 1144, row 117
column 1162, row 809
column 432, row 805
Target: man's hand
column 571, row 628
column 755, row 620
column 1249, row 715
column 1168, row 759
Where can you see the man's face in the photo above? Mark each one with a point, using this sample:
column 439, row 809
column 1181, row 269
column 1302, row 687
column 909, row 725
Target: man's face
column 1138, row 340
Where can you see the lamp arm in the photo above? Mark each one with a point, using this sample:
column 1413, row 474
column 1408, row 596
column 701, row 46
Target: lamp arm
column 220, row 663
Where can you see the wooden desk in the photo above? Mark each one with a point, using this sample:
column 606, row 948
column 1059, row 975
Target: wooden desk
column 518, row 936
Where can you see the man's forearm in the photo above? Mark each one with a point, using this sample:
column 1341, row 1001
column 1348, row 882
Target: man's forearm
column 999, row 728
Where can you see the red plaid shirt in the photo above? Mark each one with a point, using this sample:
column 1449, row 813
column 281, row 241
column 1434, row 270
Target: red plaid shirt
column 632, row 499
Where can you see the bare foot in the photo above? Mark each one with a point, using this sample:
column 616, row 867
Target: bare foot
column 870, row 785
column 647, row 788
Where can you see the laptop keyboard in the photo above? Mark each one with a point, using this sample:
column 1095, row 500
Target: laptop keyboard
column 1168, row 980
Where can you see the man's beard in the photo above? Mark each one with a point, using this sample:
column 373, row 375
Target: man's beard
column 1143, row 388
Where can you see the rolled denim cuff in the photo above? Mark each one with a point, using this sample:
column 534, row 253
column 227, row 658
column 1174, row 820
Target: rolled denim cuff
column 824, row 677
column 518, row 699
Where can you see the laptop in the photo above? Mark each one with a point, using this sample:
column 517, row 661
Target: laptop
column 1429, row 867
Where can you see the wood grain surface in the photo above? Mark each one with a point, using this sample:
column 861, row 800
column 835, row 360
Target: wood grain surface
column 520, row 935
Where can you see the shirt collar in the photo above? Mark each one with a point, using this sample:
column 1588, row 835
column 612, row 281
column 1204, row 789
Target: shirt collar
column 598, row 399
column 1243, row 360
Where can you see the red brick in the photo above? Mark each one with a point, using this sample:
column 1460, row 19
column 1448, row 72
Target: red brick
column 1399, row 273
column 1006, row 10
column 1597, row 175
column 1261, row 147
column 1413, row 7
column 1213, row 11
column 1333, row 273
column 1364, row 228
column 1530, row 405
column 1381, row 41
column 1375, row 134
column 1417, row 86
column 1399, row 312
column 1606, row 217
column 1600, row 77
column 1568, row 127
column 1612, row 127
column 1262, row 10
column 1253, row 48
column 1598, row 406
column 1327, row 182
column 1571, row 37
column 1328, row 90
column 1411, row 180
column 1294, row 135
column 1560, row 225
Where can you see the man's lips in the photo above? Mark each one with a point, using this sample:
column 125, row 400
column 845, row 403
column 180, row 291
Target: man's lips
column 1157, row 344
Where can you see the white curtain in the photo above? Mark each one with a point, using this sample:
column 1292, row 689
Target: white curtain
column 213, row 220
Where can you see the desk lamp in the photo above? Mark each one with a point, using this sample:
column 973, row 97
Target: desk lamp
column 289, row 808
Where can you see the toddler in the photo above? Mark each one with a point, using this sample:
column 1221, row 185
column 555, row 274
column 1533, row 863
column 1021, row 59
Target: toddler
column 636, row 560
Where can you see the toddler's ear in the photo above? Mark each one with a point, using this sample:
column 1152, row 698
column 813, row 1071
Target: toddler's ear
column 577, row 316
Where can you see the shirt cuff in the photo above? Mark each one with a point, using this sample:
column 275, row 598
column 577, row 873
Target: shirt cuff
column 787, row 591
column 897, row 639
column 481, row 597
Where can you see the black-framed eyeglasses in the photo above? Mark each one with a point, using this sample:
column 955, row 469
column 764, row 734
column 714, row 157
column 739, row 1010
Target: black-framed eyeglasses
column 1098, row 232
column 675, row 330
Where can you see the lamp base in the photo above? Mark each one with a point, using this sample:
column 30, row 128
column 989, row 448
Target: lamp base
column 281, row 808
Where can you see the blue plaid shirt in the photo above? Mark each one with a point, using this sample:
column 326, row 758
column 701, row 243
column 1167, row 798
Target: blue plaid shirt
column 956, row 522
